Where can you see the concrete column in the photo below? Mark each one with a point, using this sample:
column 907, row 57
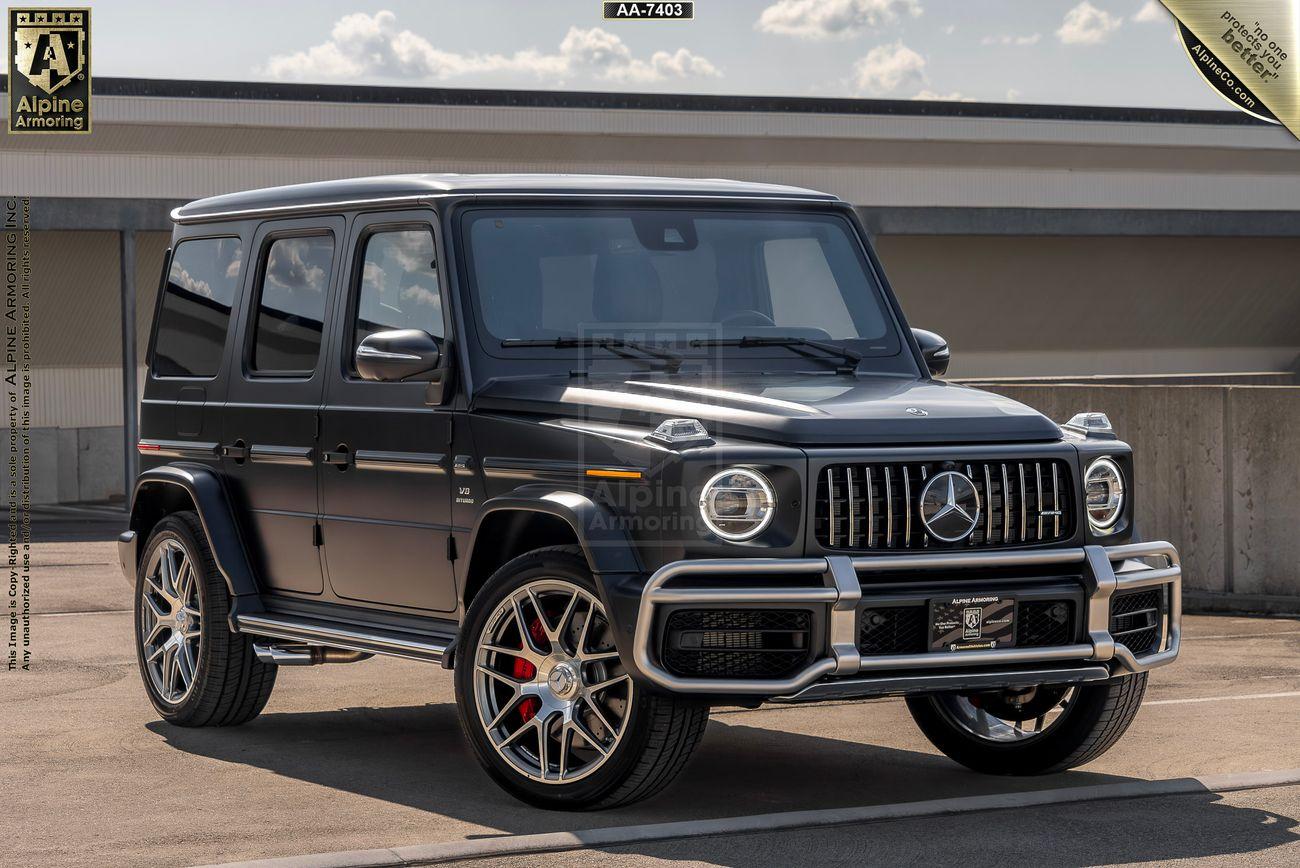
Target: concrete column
column 130, row 419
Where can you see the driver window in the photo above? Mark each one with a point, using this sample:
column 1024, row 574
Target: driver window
column 399, row 285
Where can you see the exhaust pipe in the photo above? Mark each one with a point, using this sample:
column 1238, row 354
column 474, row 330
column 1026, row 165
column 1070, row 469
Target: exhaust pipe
column 307, row 655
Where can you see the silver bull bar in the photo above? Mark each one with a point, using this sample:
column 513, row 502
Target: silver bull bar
column 1106, row 571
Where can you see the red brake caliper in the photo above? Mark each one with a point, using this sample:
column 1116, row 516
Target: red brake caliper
column 524, row 671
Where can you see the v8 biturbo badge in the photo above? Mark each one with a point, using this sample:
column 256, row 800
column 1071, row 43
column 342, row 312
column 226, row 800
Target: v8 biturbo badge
column 49, row 70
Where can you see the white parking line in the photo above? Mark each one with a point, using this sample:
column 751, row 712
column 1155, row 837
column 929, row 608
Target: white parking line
column 1223, row 698
column 87, row 612
column 1187, row 638
column 557, row 842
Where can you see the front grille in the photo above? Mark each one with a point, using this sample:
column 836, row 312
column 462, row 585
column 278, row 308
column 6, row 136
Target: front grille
column 1135, row 619
column 737, row 643
column 893, row 630
column 1042, row 623
column 877, row 506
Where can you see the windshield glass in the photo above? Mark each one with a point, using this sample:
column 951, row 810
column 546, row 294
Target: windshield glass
column 681, row 279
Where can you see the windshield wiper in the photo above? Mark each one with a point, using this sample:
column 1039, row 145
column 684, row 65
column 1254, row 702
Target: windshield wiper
column 789, row 341
column 672, row 360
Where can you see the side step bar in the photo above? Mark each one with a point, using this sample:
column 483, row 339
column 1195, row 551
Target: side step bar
column 305, row 631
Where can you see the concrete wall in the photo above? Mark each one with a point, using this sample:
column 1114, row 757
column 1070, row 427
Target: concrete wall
column 73, row 465
column 1216, row 474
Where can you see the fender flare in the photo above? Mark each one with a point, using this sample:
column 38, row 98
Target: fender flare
column 209, row 497
column 604, row 544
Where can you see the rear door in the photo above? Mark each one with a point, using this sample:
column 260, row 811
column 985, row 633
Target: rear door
column 275, row 394
column 385, row 491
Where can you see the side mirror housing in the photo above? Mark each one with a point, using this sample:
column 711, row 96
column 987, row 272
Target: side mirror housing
column 934, row 349
column 401, row 354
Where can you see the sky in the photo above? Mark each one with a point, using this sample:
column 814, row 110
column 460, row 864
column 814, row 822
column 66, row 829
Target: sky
column 1081, row 52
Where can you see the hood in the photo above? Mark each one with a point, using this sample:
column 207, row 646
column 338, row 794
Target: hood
column 794, row 409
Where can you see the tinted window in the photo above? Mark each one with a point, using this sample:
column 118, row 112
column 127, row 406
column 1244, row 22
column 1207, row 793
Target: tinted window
column 291, row 307
column 196, row 307
column 674, row 275
column 399, row 286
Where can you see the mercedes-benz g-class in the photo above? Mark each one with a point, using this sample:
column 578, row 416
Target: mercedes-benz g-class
column 615, row 450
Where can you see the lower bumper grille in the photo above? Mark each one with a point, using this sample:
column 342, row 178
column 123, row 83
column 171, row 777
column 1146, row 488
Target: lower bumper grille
column 1135, row 619
column 737, row 643
column 905, row 629
column 1043, row 623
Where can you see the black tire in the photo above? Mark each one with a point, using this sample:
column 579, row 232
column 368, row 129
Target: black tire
column 660, row 733
column 1094, row 720
column 230, row 685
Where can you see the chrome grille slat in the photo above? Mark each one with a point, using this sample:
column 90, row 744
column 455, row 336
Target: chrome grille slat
column 853, row 535
column 830, row 497
column 1006, row 506
column 1056, row 504
column 889, row 510
column 871, row 510
column 847, row 509
column 1024, row 507
column 1038, row 503
column 907, row 509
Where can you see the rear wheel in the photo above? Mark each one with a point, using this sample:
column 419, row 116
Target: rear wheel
column 1031, row 731
column 196, row 672
column 553, row 715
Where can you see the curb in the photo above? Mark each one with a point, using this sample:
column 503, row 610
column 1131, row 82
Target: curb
column 555, row 842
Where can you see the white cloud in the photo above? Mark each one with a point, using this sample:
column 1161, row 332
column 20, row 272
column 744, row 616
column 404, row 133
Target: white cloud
column 1013, row 95
column 373, row 45
column 832, row 19
column 950, row 29
column 1151, row 11
column 886, row 68
column 1029, row 39
column 1085, row 24
column 955, row 96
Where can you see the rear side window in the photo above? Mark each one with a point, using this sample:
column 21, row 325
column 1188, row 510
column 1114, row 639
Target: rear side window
column 291, row 305
column 196, row 306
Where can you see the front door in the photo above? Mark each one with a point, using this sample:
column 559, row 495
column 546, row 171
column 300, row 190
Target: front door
column 385, row 489
column 276, row 384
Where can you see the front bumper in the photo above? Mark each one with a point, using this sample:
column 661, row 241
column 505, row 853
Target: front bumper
column 839, row 669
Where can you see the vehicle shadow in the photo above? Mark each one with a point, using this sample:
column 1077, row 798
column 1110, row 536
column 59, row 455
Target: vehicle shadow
column 416, row 757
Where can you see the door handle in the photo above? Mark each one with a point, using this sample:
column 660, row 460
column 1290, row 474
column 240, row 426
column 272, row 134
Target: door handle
column 340, row 457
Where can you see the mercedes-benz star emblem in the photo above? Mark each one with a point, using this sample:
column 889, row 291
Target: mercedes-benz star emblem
column 950, row 506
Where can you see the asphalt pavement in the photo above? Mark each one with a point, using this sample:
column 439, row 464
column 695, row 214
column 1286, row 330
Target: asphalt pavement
column 370, row 755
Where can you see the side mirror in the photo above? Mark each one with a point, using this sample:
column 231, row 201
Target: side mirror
column 401, row 354
column 934, row 349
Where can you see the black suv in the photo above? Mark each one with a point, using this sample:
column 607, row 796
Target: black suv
column 616, row 450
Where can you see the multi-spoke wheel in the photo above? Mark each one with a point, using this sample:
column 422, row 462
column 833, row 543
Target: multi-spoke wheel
column 1031, row 730
column 170, row 621
column 195, row 671
column 545, row 699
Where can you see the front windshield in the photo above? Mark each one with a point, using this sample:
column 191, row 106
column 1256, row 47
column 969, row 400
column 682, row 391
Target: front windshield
column 685, row 279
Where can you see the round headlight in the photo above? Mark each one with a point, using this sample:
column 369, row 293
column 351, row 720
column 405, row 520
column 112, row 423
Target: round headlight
column 1104, row 488
column 737, row 504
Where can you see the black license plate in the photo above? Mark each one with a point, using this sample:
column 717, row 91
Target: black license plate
column 979, row 622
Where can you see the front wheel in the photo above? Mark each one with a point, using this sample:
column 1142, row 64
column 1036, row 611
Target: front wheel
column 1031, row 731
column 553, row 715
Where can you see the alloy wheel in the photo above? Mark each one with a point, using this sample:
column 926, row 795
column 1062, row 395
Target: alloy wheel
column 1009, row 716
column 550, row 691
column 170, row 622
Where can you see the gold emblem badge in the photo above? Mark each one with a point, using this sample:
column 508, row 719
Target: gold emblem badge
column 49, row 70
column 1246, row 51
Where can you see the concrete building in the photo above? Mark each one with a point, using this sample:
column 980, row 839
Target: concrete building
column 1041, row 240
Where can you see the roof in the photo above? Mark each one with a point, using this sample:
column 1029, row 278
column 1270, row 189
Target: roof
column 446, row 96
column 408, row 188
